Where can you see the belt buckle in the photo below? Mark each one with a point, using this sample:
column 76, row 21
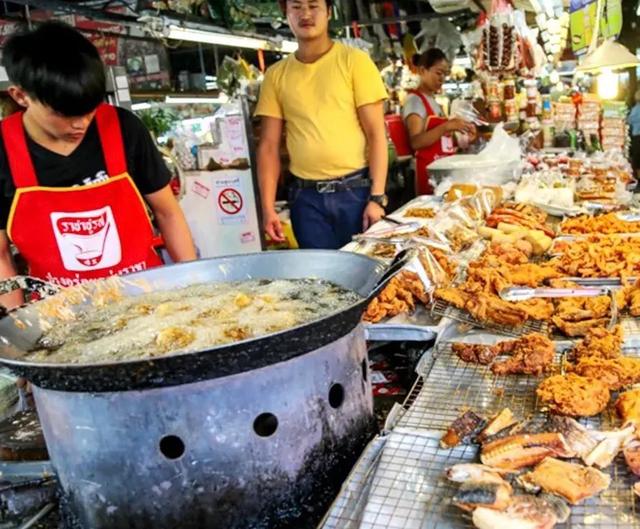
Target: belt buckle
column 326, row 187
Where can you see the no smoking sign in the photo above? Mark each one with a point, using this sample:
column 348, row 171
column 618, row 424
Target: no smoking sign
column 230, row 201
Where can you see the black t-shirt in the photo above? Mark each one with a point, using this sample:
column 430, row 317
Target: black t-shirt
column 85, row 165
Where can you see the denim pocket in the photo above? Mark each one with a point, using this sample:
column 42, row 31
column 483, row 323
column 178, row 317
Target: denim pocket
column 358, row 194
column 292, row 195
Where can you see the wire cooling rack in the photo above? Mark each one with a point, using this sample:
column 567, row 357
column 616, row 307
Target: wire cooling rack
column 405, row 488
column 444, row 309
column 454, row 386
column 403, row 485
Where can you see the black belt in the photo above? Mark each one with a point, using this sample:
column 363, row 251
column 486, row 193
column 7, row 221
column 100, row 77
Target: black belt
column 350, row 181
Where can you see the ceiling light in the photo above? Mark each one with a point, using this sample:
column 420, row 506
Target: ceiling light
column 608, row 85
column 609, row 55
column 228, row 39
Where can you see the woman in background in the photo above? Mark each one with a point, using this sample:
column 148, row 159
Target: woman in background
column 430, row 131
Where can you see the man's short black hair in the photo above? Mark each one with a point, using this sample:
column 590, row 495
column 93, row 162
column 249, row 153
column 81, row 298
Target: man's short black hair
column 58, row 67
column 283, row 4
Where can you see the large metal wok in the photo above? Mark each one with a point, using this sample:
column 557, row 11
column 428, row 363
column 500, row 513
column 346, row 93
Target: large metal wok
column 356, row 272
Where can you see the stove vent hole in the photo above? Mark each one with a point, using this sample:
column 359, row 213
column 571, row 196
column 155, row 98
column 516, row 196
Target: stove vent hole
column 336, row 396
column 265, row 424
column 172, row 447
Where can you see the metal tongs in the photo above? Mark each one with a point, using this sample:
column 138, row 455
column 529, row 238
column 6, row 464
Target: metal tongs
column 525, row 293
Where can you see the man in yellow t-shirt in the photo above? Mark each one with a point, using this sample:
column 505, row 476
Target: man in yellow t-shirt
column 329, row 97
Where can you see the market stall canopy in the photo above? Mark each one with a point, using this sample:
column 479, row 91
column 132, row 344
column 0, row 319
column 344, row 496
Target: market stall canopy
column 609, row 55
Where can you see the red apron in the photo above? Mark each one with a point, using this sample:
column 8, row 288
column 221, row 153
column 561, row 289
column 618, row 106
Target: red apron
column 440, row 149
column 69, row 235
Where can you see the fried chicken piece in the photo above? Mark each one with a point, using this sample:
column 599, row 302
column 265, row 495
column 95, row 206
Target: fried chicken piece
column 580, row 328
column 628, row 407
column 530, row 274
column 599, row 342
column 616, row 373
column 537, row 308
column 491, row 308
column 574, row 395
column 498, row 254
column 578, row 309
column 531, row 355
column 454, row 296
column 474, row 353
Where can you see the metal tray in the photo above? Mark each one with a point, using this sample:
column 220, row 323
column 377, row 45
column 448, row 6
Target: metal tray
column 389, row 332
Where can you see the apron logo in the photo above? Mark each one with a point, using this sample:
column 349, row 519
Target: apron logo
column 87, row 240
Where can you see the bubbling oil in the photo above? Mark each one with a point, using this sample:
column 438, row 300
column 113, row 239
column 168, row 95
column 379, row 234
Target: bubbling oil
column 192, row 318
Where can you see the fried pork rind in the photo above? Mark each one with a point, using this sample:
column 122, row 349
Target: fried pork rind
column 600, row 256
column 608, row 224
column 574, row 395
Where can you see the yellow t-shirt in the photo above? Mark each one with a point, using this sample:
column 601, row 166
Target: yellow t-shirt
column 319, row 103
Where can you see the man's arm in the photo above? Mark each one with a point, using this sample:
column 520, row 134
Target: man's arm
column 7, row 270
column 173, row 226
column 269, row 174
column 372, row 122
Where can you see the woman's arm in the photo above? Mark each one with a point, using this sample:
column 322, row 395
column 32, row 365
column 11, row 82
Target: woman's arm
column 421, row 138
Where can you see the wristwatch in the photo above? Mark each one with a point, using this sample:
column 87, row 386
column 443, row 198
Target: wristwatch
column 381, row 200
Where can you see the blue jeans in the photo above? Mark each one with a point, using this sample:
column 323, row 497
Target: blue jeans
column 327, row 220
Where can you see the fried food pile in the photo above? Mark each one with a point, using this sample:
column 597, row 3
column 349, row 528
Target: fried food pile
column 479, row 294
column 599, row 256
column 530, row 355
column 598, row 369
column 400, row 296
column 606, row 224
